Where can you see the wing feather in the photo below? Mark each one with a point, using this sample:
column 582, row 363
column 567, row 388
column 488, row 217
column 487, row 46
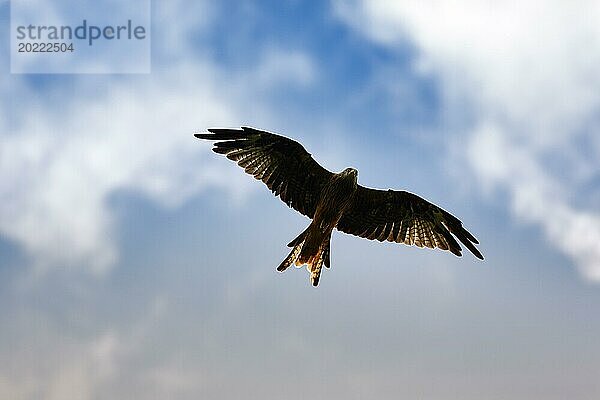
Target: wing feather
column 281, row 163
column 403, row 217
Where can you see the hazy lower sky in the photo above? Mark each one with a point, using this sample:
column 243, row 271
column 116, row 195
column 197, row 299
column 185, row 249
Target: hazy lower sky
column 136, row 263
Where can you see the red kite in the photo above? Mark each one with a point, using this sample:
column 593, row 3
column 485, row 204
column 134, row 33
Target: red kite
column 336, row 200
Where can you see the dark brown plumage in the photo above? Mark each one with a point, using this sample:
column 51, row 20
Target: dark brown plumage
column 336, row 200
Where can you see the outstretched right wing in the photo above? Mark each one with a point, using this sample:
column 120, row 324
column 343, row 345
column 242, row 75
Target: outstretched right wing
column 281, row 163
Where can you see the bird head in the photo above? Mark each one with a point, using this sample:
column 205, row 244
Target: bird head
column 351, row 172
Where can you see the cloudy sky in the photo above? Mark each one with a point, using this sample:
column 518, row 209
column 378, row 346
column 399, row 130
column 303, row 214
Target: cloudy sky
column 135, row 263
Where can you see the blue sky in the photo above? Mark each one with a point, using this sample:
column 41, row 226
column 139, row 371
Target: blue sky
column 136, row 263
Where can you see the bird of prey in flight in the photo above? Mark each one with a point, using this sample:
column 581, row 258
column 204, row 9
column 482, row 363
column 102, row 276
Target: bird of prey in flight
column 333, row 200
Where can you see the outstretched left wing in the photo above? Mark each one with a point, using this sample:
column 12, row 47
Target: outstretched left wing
column 403, row 217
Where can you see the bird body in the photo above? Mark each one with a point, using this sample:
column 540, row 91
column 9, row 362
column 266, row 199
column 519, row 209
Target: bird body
column 312, row 248
column 336, row 200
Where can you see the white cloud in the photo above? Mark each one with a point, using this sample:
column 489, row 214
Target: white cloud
column 79, row 376
column 70, row 148
column 524, row 76
column 69, row 369
column 536, row 197
column 57, row 172
column 62, row 365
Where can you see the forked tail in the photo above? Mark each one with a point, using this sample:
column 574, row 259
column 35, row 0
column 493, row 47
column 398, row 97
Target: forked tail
column 310, row 248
